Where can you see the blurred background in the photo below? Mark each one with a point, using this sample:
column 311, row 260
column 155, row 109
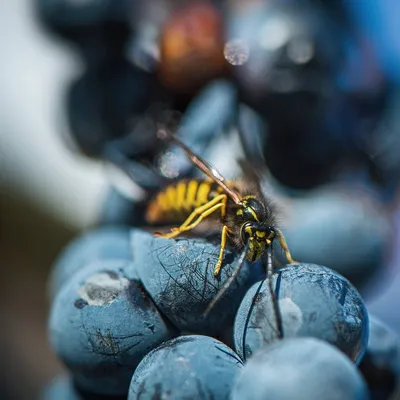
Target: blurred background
column 305, row 89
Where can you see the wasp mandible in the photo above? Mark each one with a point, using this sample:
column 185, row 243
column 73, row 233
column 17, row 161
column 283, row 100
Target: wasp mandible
column 247, row 217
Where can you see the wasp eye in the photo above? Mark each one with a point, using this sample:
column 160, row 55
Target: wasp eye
column 246, row 232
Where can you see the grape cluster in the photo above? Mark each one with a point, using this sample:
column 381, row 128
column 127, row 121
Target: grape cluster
column 127, row 320
column 128, row 309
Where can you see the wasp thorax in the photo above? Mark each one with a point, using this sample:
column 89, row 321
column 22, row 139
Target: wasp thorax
column 252, row 209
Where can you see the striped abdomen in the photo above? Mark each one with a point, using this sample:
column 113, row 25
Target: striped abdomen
column 177, row 201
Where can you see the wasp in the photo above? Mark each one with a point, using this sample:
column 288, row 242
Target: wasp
column 247, row 217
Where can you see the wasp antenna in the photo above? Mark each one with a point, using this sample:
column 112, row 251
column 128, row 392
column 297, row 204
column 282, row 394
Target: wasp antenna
column 229, row 282
column 202, row 165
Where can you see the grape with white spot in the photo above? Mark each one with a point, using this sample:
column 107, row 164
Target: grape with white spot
column 102, row 323
column 313, row 301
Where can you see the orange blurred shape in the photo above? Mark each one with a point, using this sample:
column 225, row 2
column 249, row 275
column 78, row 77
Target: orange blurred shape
column 191, row 47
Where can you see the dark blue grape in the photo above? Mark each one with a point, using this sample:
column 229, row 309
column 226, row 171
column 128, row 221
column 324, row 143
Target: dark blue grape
column 188, row 367
column 89, row 24
column 381, row 362
column 252, row 134
column 301, row 369
column 313, row 301
column 178, row 275
column 343, row 229
column 383, row 147
column 102, row 323
column 151, row 163
column 286, row 82
column 118, row 209
column 109, row 243
column 211, row 112
column 103, row 102
column 61, row 388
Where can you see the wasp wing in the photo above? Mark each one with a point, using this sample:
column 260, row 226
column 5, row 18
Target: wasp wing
column 204, row 166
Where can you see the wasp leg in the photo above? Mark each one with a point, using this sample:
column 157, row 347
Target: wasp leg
column 201, row 217
column 199, row 212
column 275, row 305
column 229, row 282
column 181, row 229
column 221, row 251
column 285, row 247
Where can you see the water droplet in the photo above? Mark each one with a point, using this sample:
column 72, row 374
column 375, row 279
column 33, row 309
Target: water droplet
column 236, row 52
column 166, row 165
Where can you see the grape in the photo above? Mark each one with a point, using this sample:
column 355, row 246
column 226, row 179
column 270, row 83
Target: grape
column 381, row 363
column 102, row 103
column 313, row 301
column 188, row 367
column 178, row 275
column 63, row 388
column 82, row 21
column 304, row 141
column 301, row 369
column 117, row 209
column 102, row 323
column 340, row 228
column 102, row 244
column 252, row 137
column 152, row 163
column 211, row 111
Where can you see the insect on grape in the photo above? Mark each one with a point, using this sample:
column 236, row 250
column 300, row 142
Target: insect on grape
column 247, row 218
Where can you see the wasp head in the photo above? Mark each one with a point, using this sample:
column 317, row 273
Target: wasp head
column 260, row 237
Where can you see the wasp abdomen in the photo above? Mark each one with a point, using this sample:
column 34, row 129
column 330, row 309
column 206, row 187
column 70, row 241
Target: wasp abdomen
column 178, row 200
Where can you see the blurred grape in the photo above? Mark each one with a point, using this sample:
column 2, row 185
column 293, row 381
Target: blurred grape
column 102, row 104
column 381, row 363
column 119, row 209
column 289, row 79
column 63, row 388
column 343, row 227
column 207, row 116
column 99, row 28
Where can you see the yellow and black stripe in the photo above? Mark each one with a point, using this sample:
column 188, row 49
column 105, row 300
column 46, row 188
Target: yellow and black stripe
column 178, row 200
